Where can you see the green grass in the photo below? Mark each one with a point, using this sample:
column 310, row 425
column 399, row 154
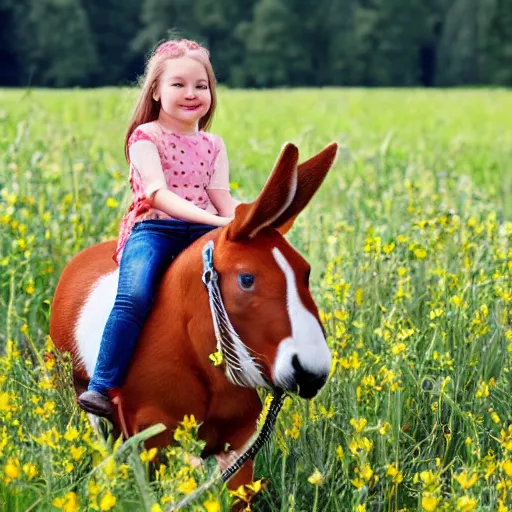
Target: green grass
column 410, row 243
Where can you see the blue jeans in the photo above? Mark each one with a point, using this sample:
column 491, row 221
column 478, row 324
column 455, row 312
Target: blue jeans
column 148, row 252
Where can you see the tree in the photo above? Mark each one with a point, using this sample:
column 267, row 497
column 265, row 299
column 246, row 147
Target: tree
column 9, row 60
column 55, row 43
column 113, row 24
column 499, row 43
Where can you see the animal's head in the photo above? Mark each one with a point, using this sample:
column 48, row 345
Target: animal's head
column 265, row 281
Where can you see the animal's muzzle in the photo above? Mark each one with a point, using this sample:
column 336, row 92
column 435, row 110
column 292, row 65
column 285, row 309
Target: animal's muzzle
column 307, row 384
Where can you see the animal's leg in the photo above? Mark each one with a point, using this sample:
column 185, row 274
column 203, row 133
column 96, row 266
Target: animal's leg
column 237, row 439
column 79, row 384
column 149, row 415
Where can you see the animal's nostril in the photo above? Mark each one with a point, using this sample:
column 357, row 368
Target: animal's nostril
column 308, row 383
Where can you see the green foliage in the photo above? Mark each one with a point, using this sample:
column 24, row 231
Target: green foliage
column 410, row 242
column 55, row 43
column 261, row 43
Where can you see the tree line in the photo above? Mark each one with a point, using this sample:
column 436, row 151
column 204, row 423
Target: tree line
column 261, row 43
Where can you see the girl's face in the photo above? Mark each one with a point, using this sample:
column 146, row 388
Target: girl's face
column 183, row 92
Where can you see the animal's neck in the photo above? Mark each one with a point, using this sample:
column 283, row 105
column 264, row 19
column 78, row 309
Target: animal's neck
column 183, row 288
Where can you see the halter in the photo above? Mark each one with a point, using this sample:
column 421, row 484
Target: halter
column 241, row 366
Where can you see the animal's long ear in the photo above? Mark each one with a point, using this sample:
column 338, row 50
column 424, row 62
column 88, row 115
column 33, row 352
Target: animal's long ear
column 310, row 175
column 274, row 199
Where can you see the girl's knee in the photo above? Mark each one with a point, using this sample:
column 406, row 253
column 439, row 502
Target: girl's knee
column 137, row 302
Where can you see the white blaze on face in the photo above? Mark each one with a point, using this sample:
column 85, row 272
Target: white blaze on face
column 92, row 319
column 307, row 340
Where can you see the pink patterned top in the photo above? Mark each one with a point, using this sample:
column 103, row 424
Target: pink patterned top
column 185, row 164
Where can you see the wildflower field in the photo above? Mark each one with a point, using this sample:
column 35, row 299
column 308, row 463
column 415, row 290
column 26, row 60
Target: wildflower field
column 410, row 240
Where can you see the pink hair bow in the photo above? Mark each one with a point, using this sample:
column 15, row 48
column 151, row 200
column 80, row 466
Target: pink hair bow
column 179, row 48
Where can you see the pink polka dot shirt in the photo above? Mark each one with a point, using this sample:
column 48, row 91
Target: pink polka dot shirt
column 185, row 164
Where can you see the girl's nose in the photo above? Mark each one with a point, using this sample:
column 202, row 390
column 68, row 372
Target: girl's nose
column 190, row 93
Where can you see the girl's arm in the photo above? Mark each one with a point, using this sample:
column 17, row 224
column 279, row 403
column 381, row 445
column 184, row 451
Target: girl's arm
column 224, row 203
column 218, row 189
column 146, row 160
column 175, row 206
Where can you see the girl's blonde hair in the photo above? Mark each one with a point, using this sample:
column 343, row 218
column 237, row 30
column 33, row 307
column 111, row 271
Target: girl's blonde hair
column 147, row 109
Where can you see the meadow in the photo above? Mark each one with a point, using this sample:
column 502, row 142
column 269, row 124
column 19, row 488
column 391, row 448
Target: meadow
column 410, row 242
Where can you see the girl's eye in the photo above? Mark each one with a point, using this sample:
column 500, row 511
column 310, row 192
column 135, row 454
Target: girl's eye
column 202, row 86
column 246, row 281
column 177, row 85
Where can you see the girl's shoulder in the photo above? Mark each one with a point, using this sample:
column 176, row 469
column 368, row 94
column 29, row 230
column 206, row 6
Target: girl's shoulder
column 146, row 131
column 215, row 141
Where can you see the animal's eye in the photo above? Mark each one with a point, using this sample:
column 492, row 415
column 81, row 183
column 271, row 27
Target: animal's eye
column 246, row 281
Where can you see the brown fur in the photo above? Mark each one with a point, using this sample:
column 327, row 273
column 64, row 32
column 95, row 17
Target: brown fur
column 171, row 374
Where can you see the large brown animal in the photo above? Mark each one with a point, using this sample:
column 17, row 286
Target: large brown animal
column 264, row 286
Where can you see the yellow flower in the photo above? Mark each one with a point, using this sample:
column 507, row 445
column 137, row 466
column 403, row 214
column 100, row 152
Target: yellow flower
column 339, row 452
column 12, row 469
column 316, row 478
column 189, row 422
column 110, row 467
column 216, row 358
column 30, row 470
column 384, row 429
column 4, row 402
column 93, row 488
column 187, row 485
column 108, row 501
column 507, row 467
column 71, row 434
column 456, row 300
column 148, row 455
column 294, row 433
column 464, row 481
column 366, row 472
column 393, row 472
column 212, row 506
column 124, row 468
column 69, row 503
column 429, row 479
column 429, row 502
column 388, row 248
column 502, row 507
column 255, row 487
column 112, row 203
column 483, row 390
column 466, row 504
column 359, row 424
column 436, row 313
column 361, row 508
column 398, row 348
column 420, row 253
column 506, row 438
column 156, row 508
column 357, row 483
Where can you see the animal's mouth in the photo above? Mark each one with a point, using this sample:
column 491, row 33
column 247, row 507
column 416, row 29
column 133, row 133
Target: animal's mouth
column 301, row 381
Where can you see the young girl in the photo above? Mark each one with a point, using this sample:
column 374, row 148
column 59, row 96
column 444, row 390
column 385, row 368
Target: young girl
column 179, row 176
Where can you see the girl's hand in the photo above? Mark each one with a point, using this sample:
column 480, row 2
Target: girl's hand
column 225, row 220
